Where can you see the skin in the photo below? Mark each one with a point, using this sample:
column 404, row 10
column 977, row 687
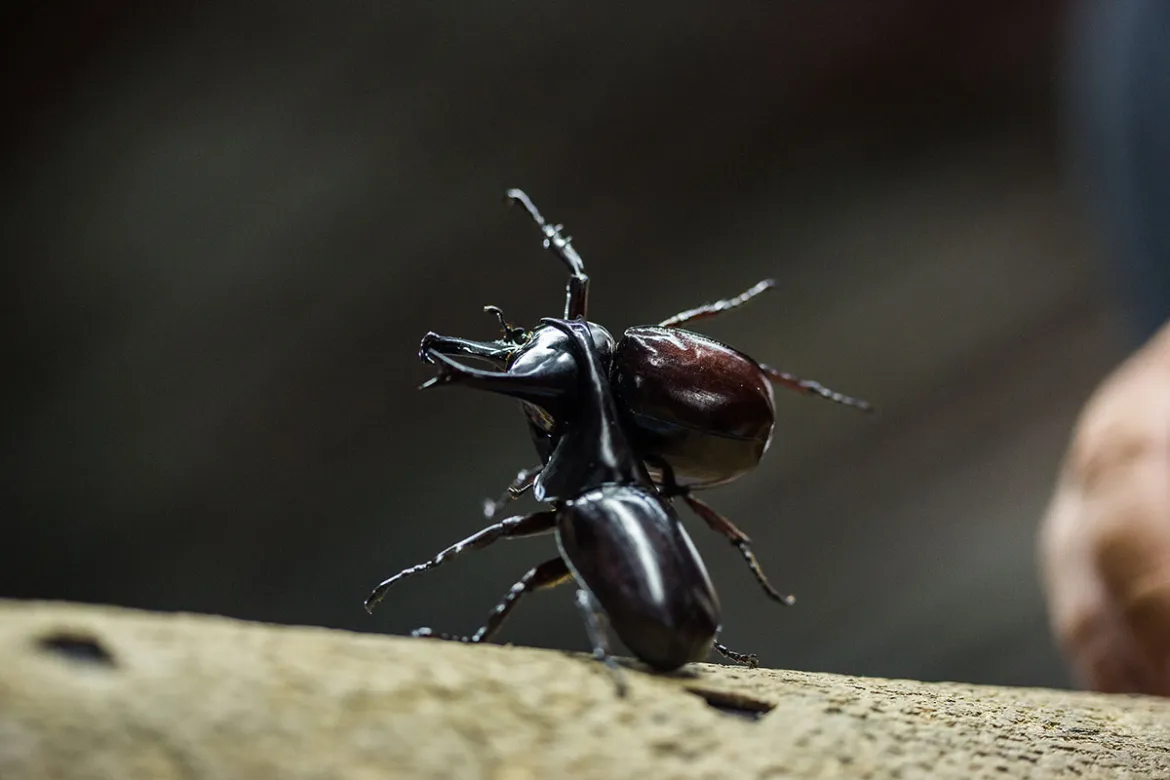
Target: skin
column 1105, row 539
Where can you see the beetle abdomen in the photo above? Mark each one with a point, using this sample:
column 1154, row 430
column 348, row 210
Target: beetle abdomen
column 627, row 546
column 703, row 407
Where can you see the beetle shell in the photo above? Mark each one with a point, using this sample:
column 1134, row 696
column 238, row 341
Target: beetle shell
column 703, row 407
column 627, row 546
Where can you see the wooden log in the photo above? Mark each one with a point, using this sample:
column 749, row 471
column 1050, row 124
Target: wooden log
column 96, row 692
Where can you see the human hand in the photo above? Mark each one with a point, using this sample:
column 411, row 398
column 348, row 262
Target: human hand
column 1105, row 540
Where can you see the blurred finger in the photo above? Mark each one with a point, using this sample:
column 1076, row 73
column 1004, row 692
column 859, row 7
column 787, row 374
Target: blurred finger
column 1132, row 550
column 1090, row 633
column 1104, row 656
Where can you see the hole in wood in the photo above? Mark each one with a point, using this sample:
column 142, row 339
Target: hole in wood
column 77, row 648
column 734, row 704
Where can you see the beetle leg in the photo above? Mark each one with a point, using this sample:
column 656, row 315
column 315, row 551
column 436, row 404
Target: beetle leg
column 577, row 293
column 546, row 575
column 593, row 625
column 750, row 660
column 512, row 528
column 711, row 309
column 523, row 482
column 740, row 540
column 667, row 486
column 809, row 387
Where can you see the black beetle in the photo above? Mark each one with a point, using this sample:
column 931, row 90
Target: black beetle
column 595, row 408
column 698, row 413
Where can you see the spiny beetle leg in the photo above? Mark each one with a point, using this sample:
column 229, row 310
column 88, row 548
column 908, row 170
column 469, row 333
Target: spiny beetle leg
column 577, row 294
column 594, row 626
column 720, row 524
column 511, row 528
column 809, row 387
column 523, row 482
column 546, row 575
column 668, row 487
column 740, row 540
column 750, row 660
column 718, row 307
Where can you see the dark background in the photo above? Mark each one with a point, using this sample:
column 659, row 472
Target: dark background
column 228, row 225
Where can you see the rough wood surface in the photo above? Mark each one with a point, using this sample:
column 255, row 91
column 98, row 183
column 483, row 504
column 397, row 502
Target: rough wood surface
column 100, row 692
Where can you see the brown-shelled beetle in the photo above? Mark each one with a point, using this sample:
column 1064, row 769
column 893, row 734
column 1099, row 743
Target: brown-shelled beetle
column 621, row 429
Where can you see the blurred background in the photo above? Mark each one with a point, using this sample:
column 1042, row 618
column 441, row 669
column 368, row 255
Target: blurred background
column 228, row 225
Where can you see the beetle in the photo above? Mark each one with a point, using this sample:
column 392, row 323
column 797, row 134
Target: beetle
column 621, row 429
column 697, row 412
column 618, row 537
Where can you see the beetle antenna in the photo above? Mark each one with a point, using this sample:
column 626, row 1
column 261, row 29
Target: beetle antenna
column 512, row 334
